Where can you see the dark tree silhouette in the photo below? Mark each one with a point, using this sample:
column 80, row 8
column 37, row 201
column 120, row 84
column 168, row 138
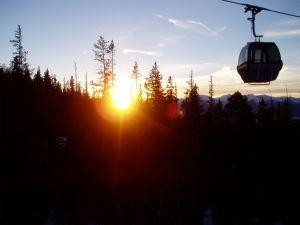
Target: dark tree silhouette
column 102, row 56
column 72, row 85
column 135, row 76
column 86, row 91
column 171, row 95
column 38, row 80
column 219, row 113
column 287, row 109
column 238, row 110
column 140, row 95
column 111, row 50
column 19, row 64
column 263, row 115
column 283, row 112
column 192, row 106
column 211, row 93
column 153, row 86
column 47, row 80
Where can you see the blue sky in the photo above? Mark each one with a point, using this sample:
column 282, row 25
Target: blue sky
column 200, row 35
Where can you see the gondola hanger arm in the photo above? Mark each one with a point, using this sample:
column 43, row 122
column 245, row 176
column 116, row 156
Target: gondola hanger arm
column 255, row 10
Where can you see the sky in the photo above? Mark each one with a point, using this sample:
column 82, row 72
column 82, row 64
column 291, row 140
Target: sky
column 204, row 36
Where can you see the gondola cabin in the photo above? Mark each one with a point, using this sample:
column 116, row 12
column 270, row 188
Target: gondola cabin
column 259, row 62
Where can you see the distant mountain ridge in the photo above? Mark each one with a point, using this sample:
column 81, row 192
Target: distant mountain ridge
column 254, row 102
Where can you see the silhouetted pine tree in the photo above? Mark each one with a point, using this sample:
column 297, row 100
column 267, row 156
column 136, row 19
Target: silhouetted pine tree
column 211, row 93
column 78, row 88
column 192, row 106
column 238, row 110
column 154, row 90
column 86, row 91
column 272, row 112
column 57, row 86
column 263, row 116
column 111, row 50
column 2, row 71
column 135, row 76
column 283, row 112
column 47, row 80
column 219, row 113
column 287, row 109
column 37, row 79
column 140, row 95
column 176, row 91
column 102, row 56
column 72, row 85
column 19, row 64
column 171, row 96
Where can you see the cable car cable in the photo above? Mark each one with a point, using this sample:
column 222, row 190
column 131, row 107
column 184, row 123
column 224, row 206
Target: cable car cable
column 260, row 8
column 259, row 62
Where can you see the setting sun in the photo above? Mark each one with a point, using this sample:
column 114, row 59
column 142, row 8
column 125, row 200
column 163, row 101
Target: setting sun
column 121, row 94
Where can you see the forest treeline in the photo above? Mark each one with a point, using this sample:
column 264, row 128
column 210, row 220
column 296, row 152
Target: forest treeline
column 66, row 160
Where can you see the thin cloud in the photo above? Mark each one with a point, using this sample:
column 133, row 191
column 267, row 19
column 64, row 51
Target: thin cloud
column 150, row 53
column 277, row 33
column 205, row 27
column 180, row 23
column 170, row 41
column 196, row 26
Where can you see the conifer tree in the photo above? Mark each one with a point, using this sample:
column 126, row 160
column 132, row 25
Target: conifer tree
column 219, row 112
column 72, row 85
column 78, row 88
column 262, row 114
column 176, row 92
column 55, row 85
column 2, row 72
column 287, row 108
column 140, row 95
column 38, row 80
column 284, row 112
column 65, row 89
column 192, row 105
column 272, row 111
column 102, row 56
column 58, row 87
column 135, row 76
column 238, row 109
column 211, row 93
column 171, row 96
column 75, row 75
column 153, row 86
column 47, row 79
column 111, row 50
column 19, row 64
column 86, row 92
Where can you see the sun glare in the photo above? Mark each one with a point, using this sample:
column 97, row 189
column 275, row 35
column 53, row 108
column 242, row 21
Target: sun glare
column 121, row 94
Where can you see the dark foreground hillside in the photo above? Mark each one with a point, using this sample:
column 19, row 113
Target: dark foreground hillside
column 69, row 159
